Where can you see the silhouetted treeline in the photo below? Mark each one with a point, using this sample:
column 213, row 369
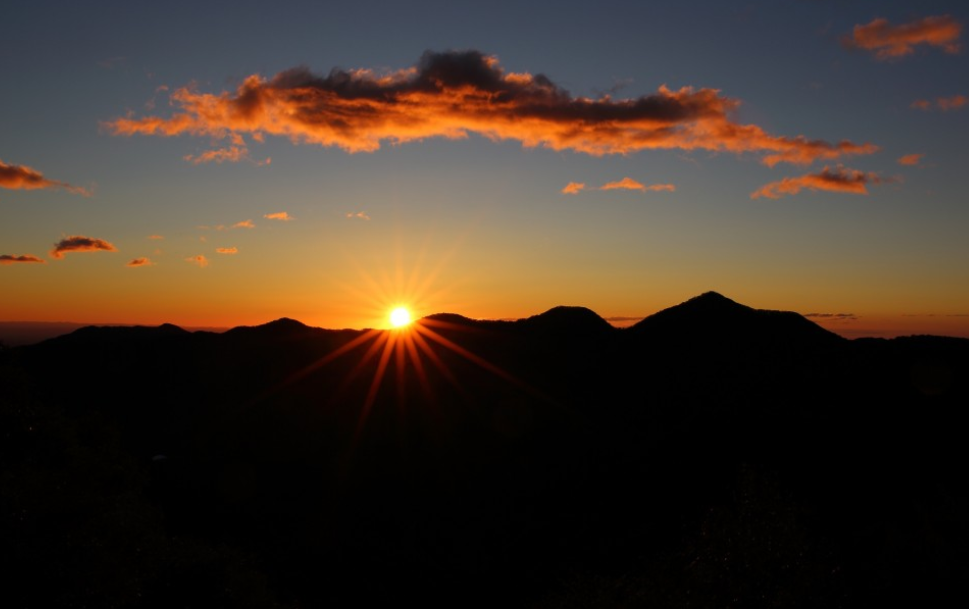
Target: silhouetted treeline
column 711, row 455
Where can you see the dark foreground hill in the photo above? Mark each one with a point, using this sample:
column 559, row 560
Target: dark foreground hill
column 711, row 455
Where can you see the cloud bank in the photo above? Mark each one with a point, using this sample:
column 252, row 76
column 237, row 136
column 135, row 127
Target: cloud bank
column 78, row 243
column 454, row 94
column 10, row 259
column 839, row 179
column 888, row 41
column 21, row 177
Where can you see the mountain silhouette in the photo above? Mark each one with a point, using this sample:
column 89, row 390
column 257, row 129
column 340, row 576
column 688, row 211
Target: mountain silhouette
column 711, row 316
column 567, row 321
column 282, row 327
column 710, row 454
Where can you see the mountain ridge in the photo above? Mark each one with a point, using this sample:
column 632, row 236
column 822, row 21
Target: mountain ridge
column 518, row 460
column 709, row 308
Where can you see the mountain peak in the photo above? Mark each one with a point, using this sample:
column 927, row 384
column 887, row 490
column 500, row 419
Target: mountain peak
column 712, row 301
column 567, row 319
column 714, row 315
column 285, row 323
column 284, row 326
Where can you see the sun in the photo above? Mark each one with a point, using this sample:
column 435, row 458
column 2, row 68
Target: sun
column 400, row 317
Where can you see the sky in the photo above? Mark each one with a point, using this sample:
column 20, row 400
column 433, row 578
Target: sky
column 230, row 163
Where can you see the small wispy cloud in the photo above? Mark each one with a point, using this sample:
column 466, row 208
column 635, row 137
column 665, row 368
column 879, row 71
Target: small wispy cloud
column 156, row 237
column 910, row 160
column 77, row 243
column 11, row 259
column 624, row 184
column 200, row 261
column 631, row 184
column 839, row 179
column 140, row 262
column 227, row 250
column 242, row 224
column 573, row 188
column 833, row 316
column 232, row 154
column 21, row 177
column 945, row 104
column 360, row 215
column 952, row 103
column 111, row 63
column 279, row 215
column 888, row 41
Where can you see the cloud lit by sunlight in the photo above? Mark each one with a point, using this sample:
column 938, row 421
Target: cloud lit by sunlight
column 893, row 41
column 21, row 177
column 839, row 179
column 11, row 259
column 454, row 94
column 77, row 243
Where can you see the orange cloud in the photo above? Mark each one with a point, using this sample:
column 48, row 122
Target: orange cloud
column 454, row 94
column 227, row 250
column 623, row 184
column 279, row 215
column 199, row 260
column 910, row 159
column 156, row 237
column 140, row 262
column 10, row 259
column 952, row 103
column 77, row 243
column 243, row 224
column 21, row 177
column 942, row 103
column 631, row 184
column 362, row 215
column 573, row 188
column 891, row 41
column 839, row 179
column 234, row 153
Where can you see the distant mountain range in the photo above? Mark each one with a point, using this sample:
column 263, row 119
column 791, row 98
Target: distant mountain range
column 18, row 333
column 711, row 454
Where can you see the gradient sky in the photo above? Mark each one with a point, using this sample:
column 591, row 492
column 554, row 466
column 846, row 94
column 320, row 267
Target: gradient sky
column 237, row 162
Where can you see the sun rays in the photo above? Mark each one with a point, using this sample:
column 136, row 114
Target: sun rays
column 407, row 358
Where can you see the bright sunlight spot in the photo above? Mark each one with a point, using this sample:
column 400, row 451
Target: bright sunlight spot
column 399, row 317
